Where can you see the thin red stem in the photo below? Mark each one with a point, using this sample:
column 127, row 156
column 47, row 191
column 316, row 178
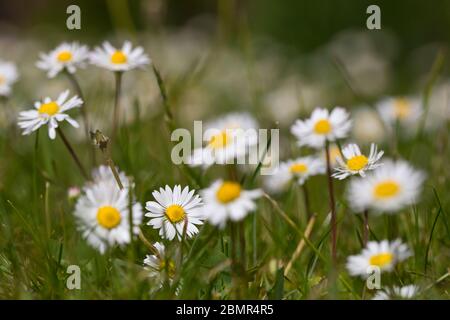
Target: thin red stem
column 332, row 204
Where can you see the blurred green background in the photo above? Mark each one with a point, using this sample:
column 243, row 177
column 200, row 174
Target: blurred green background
column 302, row 24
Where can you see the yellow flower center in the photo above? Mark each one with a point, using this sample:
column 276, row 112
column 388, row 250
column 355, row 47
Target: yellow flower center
column 402, row 108
column 357, row 162
column 2, row 79
column 50, row 108
column 108, row 217
column 228, row 191
column 118, row 57
column 382, row 259
column 219, row 140
column 175, row 213
column 299, row 168
column 386, row 189
column 64, row 56
column 322, row 126
column 168, row 267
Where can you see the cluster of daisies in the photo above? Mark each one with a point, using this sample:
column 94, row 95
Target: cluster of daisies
column 178, row 212
column 108, row 214
column 67, row 58
column 71, row 56
column 376, row 186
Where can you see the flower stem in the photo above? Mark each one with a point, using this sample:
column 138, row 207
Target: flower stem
column 332, row 204
column 163, row 93
column 243, row 251
column 306, row 200
column 254, row 240
column 183, row 238
column 234, row 263
column 48, row 224
column 112, row 166
column 366, row 227
column 232, row 172
column 147, row 243
column 130, row 209
column 118, row 78
column 73, row 80
column 301, row 244
column 103, row 143
column 171, row 123
column 237, row 238
column 72, row 153
column 394, row 140
column 76, row 85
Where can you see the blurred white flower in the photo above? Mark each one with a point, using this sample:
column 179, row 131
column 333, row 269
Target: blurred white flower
column 49, row 112
column 355, row 162
column 439, row 106
column 102, row 212
column 123, row 59
column 384, row 255
column 299, row 170
column 226, row 200
column 367, row 126
column 397, row 293
column 8, row 76
column 402, row 110
column 229, row 137
column 69, row 56
column 175, row 212
column 322, row 126
column 283, row 104
column 387, row 189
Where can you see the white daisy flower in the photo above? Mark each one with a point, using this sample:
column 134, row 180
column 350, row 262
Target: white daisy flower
column 123, row 59
column 397, row 293
column 230, row 137
column 226, row 200
column 69, row 56
column 8, row 76
column 174, row 211
column 49, row 112
column 355, row 162
column 387, row 189
column 159, row 262
column 322, row 126
column 102, row 212
column 299, row 169
column 405, row 111
column 384, row 255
